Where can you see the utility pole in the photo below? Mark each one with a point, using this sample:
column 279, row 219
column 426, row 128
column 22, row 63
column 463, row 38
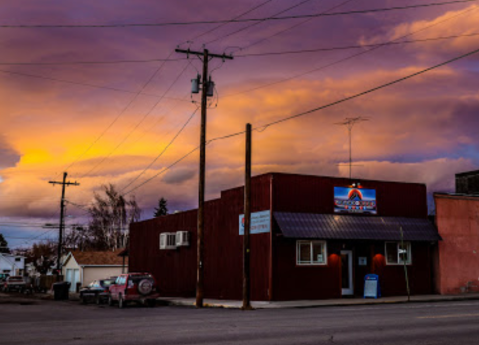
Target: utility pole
column 349, row 122
column 62, row 206
column 247, row 223
column 207, row 90
column 405, row 264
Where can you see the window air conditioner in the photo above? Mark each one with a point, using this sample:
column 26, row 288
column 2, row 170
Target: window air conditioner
column 182, row 238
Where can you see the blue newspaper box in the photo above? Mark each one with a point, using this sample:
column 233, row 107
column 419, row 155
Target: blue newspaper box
column 371, row 286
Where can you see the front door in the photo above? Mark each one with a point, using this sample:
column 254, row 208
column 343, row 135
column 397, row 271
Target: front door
column 347, row 272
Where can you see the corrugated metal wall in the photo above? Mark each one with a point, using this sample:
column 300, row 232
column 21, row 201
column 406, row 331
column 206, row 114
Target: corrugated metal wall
column 175, row 270
column 314, row 194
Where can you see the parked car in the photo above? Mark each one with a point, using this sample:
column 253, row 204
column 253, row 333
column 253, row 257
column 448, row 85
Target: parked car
column 14, row 283
column 97, row 291
column 138, row 287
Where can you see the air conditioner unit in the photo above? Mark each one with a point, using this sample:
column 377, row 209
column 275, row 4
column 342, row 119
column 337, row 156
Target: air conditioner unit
column 167, row 240
column 182, row 238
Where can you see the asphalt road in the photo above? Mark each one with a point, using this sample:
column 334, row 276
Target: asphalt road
column 50, row 322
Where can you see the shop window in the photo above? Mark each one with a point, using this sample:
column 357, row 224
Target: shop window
column 397, row 253
column 311, row 253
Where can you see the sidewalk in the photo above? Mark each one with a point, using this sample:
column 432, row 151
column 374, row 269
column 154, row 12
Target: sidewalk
column 214, row 303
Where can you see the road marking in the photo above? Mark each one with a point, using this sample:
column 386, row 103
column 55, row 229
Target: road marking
column 446, row 316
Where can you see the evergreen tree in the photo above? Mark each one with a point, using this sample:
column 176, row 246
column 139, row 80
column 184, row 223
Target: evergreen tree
column 3, row 245
column 162, row 209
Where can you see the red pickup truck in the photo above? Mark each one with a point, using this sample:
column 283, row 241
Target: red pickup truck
column 138, row 287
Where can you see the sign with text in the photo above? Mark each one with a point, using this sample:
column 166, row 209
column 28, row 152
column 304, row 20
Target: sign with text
column 371, row 286
column 354, row 200
column 260, row 222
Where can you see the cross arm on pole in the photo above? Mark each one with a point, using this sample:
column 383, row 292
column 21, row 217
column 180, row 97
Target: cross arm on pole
column 192, row 52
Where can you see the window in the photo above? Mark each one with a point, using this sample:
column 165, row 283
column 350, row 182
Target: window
column 398, row 254
column 168, row 240
column 311, row 253
column 18, row 259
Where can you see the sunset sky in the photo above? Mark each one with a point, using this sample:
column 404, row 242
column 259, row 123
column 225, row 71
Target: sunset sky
column 105, row 122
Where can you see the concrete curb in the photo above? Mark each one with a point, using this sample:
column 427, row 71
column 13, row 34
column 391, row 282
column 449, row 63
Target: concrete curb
column 304, row 305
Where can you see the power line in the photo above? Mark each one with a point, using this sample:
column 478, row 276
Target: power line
column 146, row 132
column 162, row 171
column 136, row 126
column 256, row 23
column 261, row 128
column 119, row 115
column 350, row 56
column 315, row 50
column 78, row 83
column 165, row 94
column 294, row 26
column 103, row 62
column 301, row 51
column 237, row 17
column 370, row 90
column 132, row 25
column 162, row 152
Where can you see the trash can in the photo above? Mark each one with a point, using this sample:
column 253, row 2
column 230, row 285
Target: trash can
column 61, row 290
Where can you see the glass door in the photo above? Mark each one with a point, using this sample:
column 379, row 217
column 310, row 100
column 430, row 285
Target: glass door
column 347, row 272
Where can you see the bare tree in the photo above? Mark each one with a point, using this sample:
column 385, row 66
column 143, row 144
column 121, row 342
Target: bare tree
column 110, row 217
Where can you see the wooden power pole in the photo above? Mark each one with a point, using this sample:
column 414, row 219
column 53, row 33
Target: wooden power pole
column 205, row 56
column 62, row 206
column 247, row 223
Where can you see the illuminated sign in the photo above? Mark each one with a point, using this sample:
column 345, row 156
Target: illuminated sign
column 354, row 200
column 260, row 222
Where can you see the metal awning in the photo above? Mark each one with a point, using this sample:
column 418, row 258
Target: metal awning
column 354, row 227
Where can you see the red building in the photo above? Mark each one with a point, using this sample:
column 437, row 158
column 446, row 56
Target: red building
column 312, row 237
column 457, row 219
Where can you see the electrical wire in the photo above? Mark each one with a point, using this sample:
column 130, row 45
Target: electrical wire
column 315, row 50
column 261, row 128
column 133, row 25
column 179, row 132
column 183, row 71
column 162, row 171
column 119, row 115
column 294, row 26
column 351, row 56
column 162, row 152
column 78, row 83
column 137, row 125
column 256, row 23
column 140, row 121
column 158, row 136
column 237, row 17
column 104, row 62
column 382, row 86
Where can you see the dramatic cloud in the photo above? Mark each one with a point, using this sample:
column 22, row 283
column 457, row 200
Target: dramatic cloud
column 421, row 130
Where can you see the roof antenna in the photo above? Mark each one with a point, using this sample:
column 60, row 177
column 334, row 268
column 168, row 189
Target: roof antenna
column 349, row 122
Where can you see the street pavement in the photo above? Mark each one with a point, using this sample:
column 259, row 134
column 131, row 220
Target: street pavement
column 36, row 321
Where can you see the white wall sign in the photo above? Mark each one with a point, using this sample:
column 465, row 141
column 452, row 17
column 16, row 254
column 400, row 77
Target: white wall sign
column 260, row 222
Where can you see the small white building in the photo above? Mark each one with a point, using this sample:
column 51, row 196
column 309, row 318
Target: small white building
column 14, row 265
column 81, row 268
